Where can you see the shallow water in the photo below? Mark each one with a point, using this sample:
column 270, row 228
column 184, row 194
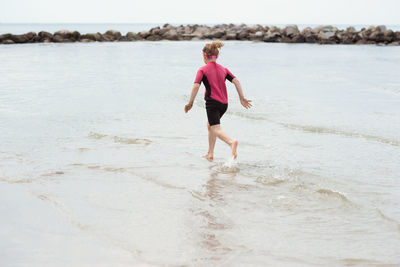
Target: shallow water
column 99, row 165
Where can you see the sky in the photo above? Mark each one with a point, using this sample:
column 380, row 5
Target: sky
column 354, row 12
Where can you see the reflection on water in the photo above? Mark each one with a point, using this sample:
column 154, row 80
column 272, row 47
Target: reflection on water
column 95, row 151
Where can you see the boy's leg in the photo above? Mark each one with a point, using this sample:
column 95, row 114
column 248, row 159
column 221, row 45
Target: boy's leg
column 212, row 138
column 216, row 129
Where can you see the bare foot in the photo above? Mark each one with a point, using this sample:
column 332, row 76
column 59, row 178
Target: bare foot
column 234, row 147
column 208, row 156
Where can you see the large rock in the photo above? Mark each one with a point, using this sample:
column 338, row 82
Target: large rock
column 130, row 36
column 290, row 31
column 65, row 34
column 45, row 35
column 8, row 41
column 230, row 35
column 396, row 36
column 326, row 35
column 201, row 31
column 58, row 38
column 153, row 37
column 347, row 37
column 75, row 36
column 309, row 35
column 271, row 36
column 171, row 34
column 351, row 29
column 243, row 34
column 5, row 36
column 215, row 34
column 381, row 28
column 363, row 41
column 388, row 36
column 85, row 40
column 22, row 38
column 92, row 36
column 155, row 30
column 375, row 34
column 112, row 35
column 144, row 34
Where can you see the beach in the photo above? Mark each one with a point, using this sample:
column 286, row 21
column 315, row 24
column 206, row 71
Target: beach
column 99, row 164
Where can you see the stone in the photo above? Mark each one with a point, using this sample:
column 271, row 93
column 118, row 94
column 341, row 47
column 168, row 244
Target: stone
column 259, row 34
column 19, row 38
column 201, row 31
column 58, row 38
column 346, row 37
column 8, row 41
column 84, row 40
column 351, row 30
column 271, row 36
column 328, row 28
column 171, row 35
column 5, row 36
column 132, row 36
column 215, row 34
column 144, row 34
column 112, row 35
column 381, row 28
column 75, row 35
column 89, row 36
column 45, row 35
column 290, row 31
column 284, row 39
column 298, row 39
column 396, row 36
column 65, row 34
column 243, row 34
column 325, row 35
column 230, row 36
column 153, row 37
column 363, row 41
column 396, row 43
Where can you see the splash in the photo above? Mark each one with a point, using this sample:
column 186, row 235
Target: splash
column 230, row 166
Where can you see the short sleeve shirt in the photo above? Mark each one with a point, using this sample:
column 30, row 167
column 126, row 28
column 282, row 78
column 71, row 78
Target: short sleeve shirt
column 213, row 76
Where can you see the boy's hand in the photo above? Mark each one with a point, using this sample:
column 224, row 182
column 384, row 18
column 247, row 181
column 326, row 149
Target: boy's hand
column 245, row 103
column 188, row 107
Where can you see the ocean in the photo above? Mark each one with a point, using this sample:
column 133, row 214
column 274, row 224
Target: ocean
column 100, row 166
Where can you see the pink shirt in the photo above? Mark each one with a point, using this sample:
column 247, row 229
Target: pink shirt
column 213, row 76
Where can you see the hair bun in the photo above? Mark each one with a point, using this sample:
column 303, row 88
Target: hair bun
column 212, row 48
column 217, row 44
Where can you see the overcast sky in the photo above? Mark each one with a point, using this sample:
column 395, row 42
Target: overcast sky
column 202, row 11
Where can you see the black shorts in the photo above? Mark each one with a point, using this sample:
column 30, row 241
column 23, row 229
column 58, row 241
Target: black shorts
column 215, row 111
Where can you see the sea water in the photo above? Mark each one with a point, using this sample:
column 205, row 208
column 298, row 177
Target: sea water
column 100, row 166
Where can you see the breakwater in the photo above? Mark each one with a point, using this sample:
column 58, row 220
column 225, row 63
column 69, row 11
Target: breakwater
column 289, row 34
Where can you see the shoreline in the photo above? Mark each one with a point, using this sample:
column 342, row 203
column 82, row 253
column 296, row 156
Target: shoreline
column 378, row 35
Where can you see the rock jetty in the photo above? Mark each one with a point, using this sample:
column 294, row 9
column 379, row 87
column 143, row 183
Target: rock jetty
column 289, row 34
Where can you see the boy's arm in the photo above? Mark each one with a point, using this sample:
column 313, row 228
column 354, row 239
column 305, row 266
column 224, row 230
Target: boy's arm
column 195, row 89
column 245, row 102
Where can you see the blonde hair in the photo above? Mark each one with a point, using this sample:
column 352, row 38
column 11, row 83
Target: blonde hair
column 212, row 49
